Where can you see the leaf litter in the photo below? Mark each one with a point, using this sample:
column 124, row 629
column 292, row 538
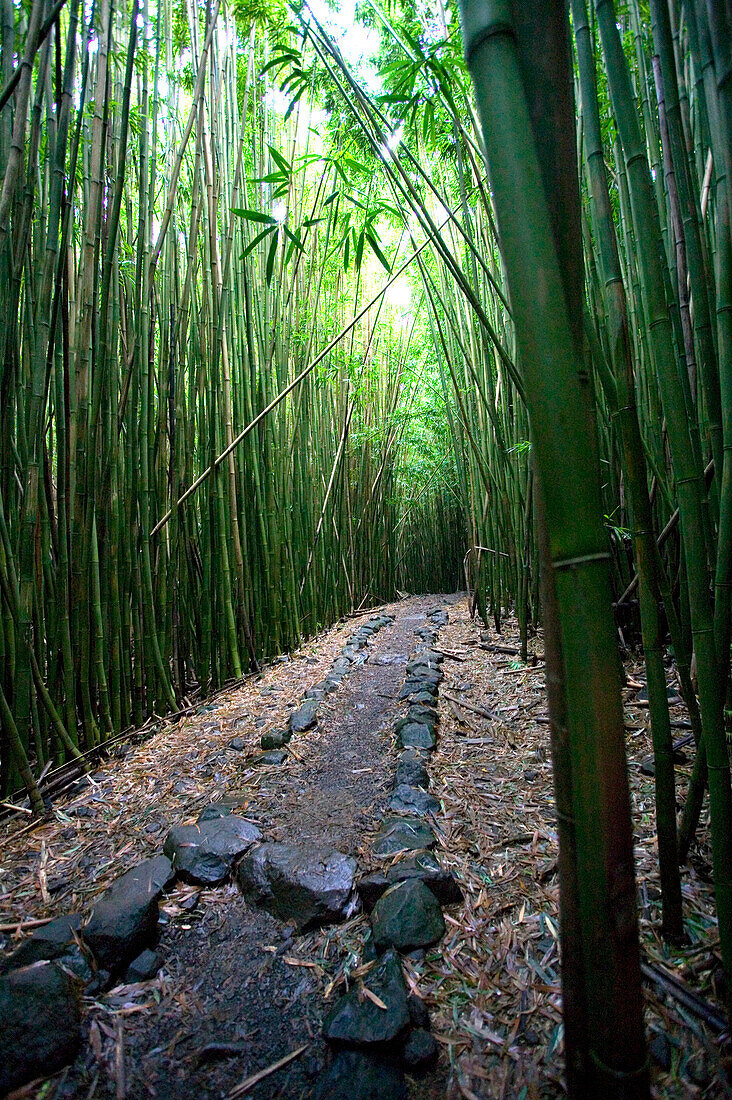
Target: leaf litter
column 492, row 985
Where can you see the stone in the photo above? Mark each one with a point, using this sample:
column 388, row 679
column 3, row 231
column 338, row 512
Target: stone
column 341, row 664
column 424, row 866
column 50, row 942
column 427, row 715
column 41, row 1024
column 424, row 698
column 407, row 916
column 411, row 770
column 398, row 834
column 368, row 951
column 124, row 920
column 309, row 885
column 672, row 694
column 144, row 967
column 204, row 854
column 648, row 767
column 530, row 775
column 213, row 812
column 418, row 1012
column 420, row 1050
column 424, row 671
column 316, row 693
column 267, row 759
column 354, row 1075
column 238, row 744
column 659, row 1049
column 416, row 735
column 357, row 1021
column 305, row 717
column 370, row 888
column 413, row 688
column 275, row 739
column 413, row 800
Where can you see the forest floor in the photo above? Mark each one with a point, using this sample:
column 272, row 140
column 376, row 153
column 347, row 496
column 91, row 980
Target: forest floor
column 235, row 976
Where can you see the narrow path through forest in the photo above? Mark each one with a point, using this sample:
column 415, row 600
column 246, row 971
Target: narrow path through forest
column 232, row 990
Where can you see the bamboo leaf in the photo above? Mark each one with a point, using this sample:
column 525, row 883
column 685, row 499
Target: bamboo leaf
column 254, row 216
column 377, row 251
column 259, row 237
column 271, row 258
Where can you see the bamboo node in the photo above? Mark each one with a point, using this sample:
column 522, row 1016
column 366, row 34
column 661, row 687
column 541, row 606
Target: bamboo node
column 584, row 559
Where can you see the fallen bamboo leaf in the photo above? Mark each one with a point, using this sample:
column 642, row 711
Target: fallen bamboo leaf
column 372, row 997
column 249, row 1082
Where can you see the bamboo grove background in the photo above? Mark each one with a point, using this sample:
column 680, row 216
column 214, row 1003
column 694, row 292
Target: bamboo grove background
column 259, row 365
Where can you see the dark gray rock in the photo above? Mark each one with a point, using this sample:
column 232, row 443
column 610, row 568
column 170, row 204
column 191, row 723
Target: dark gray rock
column 418, row 1012
column 424, row 698
column 398, row 834
column 144, row 967
column 316, row 693
column 420, row 1050
column 275, row 739
column 672, row 693
column 269, row 758
column 427, row 715
column 238, row 744
column 368, row 951
column 41, row 1024
column 370, row 888
column 356, row 1021
column 309, row 885
column 413, row 800
column 407, row 916
column 648, row 766
column 353, row 1075
column 416, row 735
column 124, row 921
column 420, row 716
column 411, row 770
column 424, row 866
column 78, row 964
column 213, row 812
column 204, row 853
column 50, row 942
column 305, row 717
column 341, row 665
column 413, row 687
column 659, row 1049
column 425, row 671
column 333, row 682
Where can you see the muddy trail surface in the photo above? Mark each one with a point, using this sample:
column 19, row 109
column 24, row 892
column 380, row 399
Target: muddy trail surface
column 358, row 896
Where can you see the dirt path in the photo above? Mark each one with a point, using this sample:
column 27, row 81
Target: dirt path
column 238, row 991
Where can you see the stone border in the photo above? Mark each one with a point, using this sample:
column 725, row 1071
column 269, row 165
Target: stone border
column 305, row 717
column 377, row 1030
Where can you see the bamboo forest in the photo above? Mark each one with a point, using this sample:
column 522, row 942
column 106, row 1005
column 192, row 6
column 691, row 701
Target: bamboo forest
column 365, row 549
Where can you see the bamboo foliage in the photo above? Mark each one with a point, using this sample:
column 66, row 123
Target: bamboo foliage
column 220, row 430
